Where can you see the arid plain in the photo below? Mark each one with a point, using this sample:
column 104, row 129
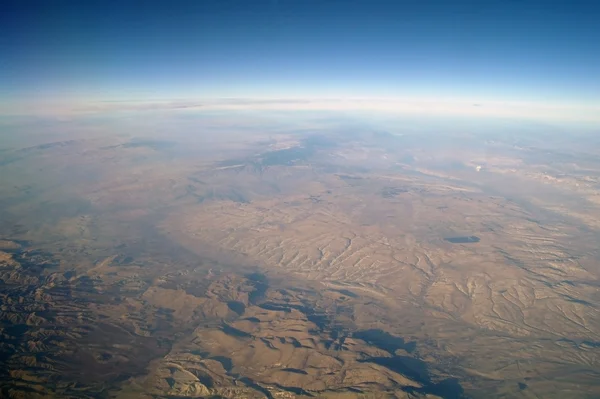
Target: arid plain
column 209, row 256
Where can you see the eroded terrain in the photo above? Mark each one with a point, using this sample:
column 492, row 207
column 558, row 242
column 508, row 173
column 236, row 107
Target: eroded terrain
column 298, row 262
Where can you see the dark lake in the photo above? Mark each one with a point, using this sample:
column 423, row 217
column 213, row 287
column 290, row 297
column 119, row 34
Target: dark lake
column 462, row 240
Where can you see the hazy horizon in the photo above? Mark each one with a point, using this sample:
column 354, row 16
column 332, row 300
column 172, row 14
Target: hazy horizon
column 511, row 58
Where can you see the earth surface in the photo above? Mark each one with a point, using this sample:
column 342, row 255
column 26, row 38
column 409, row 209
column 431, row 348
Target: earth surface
column 187, row 254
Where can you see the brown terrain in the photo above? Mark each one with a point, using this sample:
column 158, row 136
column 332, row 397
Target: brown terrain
column 285, row 260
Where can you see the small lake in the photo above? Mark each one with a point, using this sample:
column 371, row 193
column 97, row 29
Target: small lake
column 462, row 239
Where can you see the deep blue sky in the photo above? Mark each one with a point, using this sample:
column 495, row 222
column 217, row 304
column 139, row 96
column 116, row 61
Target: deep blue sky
column 516, row 50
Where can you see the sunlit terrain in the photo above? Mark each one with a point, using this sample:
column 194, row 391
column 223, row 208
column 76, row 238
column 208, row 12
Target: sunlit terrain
column 238, row 255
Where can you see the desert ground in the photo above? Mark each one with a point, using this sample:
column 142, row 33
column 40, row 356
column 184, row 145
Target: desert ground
column 298, row 260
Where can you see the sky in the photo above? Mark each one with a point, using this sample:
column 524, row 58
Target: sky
column 544, row 54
